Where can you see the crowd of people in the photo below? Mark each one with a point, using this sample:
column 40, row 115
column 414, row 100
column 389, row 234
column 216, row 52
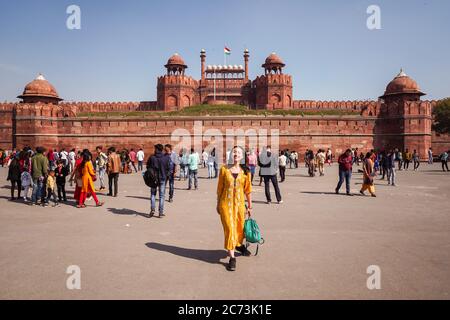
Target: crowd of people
column 46, row 172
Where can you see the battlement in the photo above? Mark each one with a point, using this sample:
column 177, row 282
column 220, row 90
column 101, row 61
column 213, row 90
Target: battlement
column 77, row 107
column 273, row 79
column 355, row 105
column 7, row 106
column 177, row 80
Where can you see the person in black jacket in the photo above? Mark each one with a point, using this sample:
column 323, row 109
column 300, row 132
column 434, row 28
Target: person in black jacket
column 14, row 173
column 61, row 172
column 160, row 163
column 269, row 167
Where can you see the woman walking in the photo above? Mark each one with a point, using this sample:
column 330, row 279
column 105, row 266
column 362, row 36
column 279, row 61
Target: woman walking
column 252, row 163
column 368, row 173
column 14, row 176
column 87, row 181
column 210, row 162
column 416, row 160
column 233, row 188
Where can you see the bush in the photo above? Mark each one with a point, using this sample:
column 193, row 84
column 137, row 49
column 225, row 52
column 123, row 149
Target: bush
column 441, row 114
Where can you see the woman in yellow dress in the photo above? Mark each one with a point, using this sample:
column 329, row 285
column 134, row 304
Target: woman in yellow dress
column 233, row 188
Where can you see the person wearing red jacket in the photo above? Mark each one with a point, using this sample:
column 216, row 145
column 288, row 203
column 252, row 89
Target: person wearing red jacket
column 345, row 171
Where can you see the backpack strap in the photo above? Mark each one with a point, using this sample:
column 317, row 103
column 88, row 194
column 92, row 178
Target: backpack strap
column 247, row 245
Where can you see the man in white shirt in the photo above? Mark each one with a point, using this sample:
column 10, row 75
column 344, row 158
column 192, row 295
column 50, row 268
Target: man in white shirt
column 63, row 156
column 204, row 158
column 282, row 161
column 430, row 156
column 140, row 156
column 71, row 158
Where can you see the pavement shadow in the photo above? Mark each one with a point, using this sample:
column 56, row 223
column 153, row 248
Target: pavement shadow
column 259, row 201
column 208, row 256
column 322, row 192
column 142, row 198
column 127, row 212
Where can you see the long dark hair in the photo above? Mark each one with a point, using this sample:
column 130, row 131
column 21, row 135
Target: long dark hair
column 86, row 157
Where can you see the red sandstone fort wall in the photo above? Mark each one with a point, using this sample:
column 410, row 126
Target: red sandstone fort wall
column 6, row 125
column 295, row 133
column 58, row 126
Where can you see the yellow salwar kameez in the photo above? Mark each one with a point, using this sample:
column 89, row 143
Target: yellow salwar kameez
column 367, row 177
column 231, row 205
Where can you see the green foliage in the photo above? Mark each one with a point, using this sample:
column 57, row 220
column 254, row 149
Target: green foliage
column 441, row 114
column 217, row 110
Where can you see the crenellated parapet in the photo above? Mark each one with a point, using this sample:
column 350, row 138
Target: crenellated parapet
column 350, row 105
column 179, row 80
column 282, row 79
column 7, row 106
column 78, row 107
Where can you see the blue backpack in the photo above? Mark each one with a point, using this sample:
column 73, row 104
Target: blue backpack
column 252, row 234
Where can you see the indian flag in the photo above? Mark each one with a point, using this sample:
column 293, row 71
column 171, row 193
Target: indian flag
column 227, row 51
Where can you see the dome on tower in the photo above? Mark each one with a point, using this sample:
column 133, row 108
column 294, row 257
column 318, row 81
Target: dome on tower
column 40, row 87
column 175, row 60
column 402, row 83
column 273, row 58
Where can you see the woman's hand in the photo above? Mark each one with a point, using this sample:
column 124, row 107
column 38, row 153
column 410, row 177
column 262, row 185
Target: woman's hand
column 217, row 208
column 249, row 212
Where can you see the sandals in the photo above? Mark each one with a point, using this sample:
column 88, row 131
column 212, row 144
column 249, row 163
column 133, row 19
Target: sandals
column 244, row 251
column 99, row 204
column 81, row 206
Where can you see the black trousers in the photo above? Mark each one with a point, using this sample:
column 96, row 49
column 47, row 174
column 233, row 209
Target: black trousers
column 51, row 193
column 13, row 187
column 62, row 192
column 274, row 180
column 113, row 177
column 282, row 173
column 444, row 164
column 406, row 164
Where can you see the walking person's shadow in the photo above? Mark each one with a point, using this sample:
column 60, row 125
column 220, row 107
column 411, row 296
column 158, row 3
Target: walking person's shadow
column 208, row 256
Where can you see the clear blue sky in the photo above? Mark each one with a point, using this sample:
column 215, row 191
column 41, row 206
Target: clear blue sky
column 123, row 45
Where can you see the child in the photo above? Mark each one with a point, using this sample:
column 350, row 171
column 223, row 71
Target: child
column 26, row 184
column 61, row 173
column 51, row 187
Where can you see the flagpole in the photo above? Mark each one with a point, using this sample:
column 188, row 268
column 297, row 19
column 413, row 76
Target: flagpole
column 215, row 75
column 225, row 65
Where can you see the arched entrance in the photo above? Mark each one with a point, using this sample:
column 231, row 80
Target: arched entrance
column 172, row 102
column 186, row 101
column 275, row 100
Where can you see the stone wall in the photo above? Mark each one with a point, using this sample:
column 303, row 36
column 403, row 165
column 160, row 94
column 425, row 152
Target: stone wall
column 6, row 125
column 377, row 126
column 297, row 133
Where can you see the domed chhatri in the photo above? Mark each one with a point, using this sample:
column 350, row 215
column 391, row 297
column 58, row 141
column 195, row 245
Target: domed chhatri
column 273, row 64
column 402, row 84
column 273, row 59
column 175, row 65
column 40, row 90
column 176, row 60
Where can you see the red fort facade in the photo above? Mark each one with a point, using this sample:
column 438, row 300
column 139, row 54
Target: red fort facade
column 225, row 84
column 399, row 118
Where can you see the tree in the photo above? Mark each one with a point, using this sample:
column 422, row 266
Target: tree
column 441, row 114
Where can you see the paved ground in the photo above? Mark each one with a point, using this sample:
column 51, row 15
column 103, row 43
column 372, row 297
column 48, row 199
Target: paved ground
column 318, row 244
